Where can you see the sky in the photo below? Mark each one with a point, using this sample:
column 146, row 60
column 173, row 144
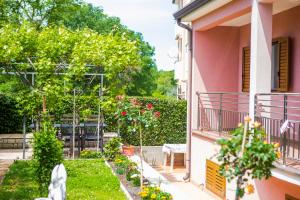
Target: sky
column 152, row 18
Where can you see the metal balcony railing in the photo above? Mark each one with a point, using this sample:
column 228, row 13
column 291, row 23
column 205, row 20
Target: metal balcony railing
column 221, row 111
column 272, row 110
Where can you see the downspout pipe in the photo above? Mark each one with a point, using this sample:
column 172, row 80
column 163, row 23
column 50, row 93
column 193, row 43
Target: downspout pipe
column 189, row 99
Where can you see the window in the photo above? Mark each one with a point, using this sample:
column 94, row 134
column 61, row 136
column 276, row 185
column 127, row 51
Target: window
column 280, row 66
column 275, row 66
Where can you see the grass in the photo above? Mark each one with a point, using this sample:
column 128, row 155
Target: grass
column 87, row 180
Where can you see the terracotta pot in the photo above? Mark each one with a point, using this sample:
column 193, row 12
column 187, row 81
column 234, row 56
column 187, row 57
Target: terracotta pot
column 128, row 150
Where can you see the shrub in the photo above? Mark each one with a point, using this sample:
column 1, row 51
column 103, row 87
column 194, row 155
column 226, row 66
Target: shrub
column 10, row 118
column 112, row 149
column 171, row 126
column 47, row 152
column 87, row 154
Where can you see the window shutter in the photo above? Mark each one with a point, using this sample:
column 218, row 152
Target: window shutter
column 246, row 70
column 283, row 64
column 214, row 181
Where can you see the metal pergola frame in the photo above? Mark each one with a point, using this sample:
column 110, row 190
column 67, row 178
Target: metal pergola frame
column 4, row 71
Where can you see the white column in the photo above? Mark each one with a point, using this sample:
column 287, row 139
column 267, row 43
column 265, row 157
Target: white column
column 261, row 51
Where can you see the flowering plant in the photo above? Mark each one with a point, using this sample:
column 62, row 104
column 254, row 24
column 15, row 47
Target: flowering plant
column 136, row 117
column 154, row 193
column 247, row 156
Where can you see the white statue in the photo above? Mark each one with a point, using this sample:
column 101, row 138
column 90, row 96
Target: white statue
column 57, row 187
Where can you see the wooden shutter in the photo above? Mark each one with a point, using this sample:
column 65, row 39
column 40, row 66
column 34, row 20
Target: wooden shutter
column 214, row 181
column 288, row 197
column 246, row 70
column 284, row 63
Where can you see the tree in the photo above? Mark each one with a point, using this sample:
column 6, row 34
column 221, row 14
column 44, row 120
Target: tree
column 166, row 84
column 51, row 48
column 75, row 14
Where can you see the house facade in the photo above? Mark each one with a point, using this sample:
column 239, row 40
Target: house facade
column 244, row 60
column 181, row 62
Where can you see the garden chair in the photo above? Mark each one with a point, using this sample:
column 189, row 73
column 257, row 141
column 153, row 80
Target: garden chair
column 57, row 187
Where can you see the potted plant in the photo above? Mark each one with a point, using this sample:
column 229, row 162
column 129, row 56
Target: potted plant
column 136, row 117
column 247, row 156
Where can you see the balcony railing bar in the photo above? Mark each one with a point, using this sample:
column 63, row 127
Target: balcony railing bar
column 277, row 94
column 279, row 100
column 285, row 107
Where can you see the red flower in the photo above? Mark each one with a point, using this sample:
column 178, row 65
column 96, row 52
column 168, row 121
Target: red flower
column 123, row 113
column 149, row 106
column 157, row 114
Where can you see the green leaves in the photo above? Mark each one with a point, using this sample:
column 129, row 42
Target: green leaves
column 47, row 152
column 256, row 161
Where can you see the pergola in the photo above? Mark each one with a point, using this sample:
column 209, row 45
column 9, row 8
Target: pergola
column 10, row 69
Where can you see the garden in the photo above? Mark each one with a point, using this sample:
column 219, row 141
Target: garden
column 68, row 69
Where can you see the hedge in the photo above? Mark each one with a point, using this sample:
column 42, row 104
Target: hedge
column 171, row 126
column 10, row 119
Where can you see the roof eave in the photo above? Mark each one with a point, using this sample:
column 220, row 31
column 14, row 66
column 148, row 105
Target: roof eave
column 194, row 5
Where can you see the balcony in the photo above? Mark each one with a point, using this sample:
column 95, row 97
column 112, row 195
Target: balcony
column 219, row 113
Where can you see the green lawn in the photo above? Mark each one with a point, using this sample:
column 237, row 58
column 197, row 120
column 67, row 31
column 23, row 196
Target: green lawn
column 87, row 180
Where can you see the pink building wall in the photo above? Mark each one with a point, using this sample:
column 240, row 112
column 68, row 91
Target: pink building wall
column 276, row 189
column 285, row 24
column 218, row 68
column 215, row 59
column 218, row 52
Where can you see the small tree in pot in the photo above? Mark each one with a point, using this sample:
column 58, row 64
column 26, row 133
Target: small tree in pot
column 247, row 156
column 136, row 117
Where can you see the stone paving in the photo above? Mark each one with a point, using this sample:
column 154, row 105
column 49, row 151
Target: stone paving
column 4, row 165
column 7, row 157
column 173, row 183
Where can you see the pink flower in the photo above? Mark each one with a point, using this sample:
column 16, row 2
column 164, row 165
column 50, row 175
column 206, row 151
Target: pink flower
column 149, row 106
column 120, row 97
column 142, row 111
column 123, row 113
column 134, row 102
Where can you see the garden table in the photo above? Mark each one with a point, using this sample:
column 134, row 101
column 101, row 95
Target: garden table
column 171, row 149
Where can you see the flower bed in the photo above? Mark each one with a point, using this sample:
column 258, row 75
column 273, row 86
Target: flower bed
column 129, row 175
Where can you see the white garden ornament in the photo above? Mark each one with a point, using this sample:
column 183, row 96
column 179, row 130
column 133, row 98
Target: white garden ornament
column 57, row 187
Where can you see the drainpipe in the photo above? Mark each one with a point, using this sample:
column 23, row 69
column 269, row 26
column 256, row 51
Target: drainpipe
column 189, row 99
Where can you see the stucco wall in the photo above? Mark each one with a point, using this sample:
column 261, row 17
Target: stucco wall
column 217, row 67
column 285, row 24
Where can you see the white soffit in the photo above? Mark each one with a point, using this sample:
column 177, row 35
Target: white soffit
column 205, row 9
column 278, row 6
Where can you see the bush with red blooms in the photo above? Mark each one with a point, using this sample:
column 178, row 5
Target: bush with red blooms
column 134, row 115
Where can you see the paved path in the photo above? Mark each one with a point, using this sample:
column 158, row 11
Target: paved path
column 14, row 154
column 176, row 186
column 4, row 166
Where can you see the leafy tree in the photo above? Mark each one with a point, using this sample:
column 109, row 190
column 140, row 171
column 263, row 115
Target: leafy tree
column 166, row 84
column 51, row 46
column 40, row 12
column 76, row 14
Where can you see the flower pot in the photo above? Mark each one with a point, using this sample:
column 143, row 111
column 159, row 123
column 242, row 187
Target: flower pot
column 128, row 150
